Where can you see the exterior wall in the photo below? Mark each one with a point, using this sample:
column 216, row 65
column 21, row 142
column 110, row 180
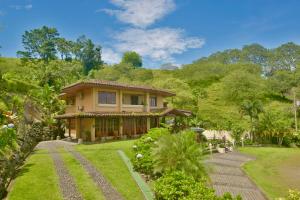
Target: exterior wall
column 84, row 98
column 71, row 109
column 87, row 101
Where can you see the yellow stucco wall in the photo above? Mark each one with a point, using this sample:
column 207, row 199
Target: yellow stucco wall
column 87, row 101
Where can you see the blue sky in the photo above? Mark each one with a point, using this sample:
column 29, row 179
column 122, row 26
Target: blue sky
column 177, row 31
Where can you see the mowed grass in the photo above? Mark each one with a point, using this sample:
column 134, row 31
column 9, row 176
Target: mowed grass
column 85, row 184
column 37, row 179
column 275, row 171
column 107, row 160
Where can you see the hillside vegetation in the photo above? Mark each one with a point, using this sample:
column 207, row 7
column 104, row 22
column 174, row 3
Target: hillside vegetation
column 251, row 88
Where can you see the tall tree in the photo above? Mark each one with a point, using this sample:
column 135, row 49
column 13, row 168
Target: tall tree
column 40, row 43
column 133, row 58
column 252, row 109
column 89, row 53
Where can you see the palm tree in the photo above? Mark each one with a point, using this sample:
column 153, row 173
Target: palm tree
column 252, row 108
column 178, row 152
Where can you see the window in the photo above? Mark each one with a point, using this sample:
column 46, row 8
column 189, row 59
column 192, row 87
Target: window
column 153, row 101
column 107, row 98
column 134, row 100
column 71, row 101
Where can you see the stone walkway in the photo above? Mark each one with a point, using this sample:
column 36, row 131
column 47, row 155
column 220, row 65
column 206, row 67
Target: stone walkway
column 67, row 184
column 227, row 176
column 66, row 181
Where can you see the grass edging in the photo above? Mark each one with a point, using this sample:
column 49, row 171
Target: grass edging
column 148, row 194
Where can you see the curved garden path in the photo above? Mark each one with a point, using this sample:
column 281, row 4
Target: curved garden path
column 227, row 176
column 67, row 184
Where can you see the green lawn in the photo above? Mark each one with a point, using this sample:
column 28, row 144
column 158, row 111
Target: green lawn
column 275, row 170
column 105, row 157
column 37, row 180
column 84, row 182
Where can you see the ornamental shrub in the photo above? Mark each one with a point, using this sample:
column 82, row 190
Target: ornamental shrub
column 293, row 195
column 178, row 152
column 143, row 163
column 176, row 185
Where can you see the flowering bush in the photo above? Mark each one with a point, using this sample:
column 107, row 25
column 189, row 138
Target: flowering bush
column 143, row 161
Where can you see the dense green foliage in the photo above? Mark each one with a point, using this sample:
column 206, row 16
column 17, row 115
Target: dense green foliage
column 143, row 160
column 176, row 185
column 178, row 152
column 293, row 195
column 133, row 58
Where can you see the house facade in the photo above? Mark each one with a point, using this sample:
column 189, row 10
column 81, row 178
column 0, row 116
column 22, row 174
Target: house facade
column 100, row 110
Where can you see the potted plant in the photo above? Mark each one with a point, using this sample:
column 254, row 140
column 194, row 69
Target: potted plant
column 221, row 148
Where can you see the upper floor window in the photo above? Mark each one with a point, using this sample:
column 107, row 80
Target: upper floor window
column 134, row 100
column 107, row 98
column 71, row 101
column 129, row 99
column 153, row 101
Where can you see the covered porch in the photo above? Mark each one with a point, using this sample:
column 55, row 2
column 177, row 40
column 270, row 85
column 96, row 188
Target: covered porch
column 108, row 126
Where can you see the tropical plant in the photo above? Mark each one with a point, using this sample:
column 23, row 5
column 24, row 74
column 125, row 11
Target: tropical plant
column 252, row 109
column 178, row 152
column 143, row 160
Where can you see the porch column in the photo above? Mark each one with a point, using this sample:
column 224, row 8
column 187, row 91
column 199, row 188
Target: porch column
column 78, row 124
column 69, row 127
column 121, row 127
column 134, row 126
column 157, row 121
column 147, row 102
column 148, row 123
column 120, row 101
column 93, row 130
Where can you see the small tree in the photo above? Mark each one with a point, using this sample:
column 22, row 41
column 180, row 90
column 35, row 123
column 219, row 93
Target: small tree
column 132, row 58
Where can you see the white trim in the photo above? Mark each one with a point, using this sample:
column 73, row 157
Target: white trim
column 107, row 105
column 132, row 106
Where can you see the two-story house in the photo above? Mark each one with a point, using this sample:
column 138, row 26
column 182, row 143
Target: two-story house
column 98, row 109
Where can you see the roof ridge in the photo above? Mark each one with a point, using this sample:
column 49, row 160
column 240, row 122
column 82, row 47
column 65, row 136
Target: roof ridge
column 117, row 84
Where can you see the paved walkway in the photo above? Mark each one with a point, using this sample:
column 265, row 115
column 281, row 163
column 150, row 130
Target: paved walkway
column 67, row 184
column 227, row 176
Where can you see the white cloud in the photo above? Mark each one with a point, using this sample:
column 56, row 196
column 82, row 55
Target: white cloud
column 140, row 13
column 109, row 56
column 159, row 44
column 22, row 7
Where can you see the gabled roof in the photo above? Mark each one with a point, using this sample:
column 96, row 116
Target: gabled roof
column 115, row 85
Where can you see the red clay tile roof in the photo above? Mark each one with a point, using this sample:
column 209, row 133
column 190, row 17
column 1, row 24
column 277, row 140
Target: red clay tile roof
column 113, row 84
column 106, row 114
column 166, row 112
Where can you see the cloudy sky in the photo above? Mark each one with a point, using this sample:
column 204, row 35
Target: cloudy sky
column 176, row 31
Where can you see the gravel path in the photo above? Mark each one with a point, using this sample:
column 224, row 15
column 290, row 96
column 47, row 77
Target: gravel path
column 227, row 176
column 107, row 189
column 66, row 182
